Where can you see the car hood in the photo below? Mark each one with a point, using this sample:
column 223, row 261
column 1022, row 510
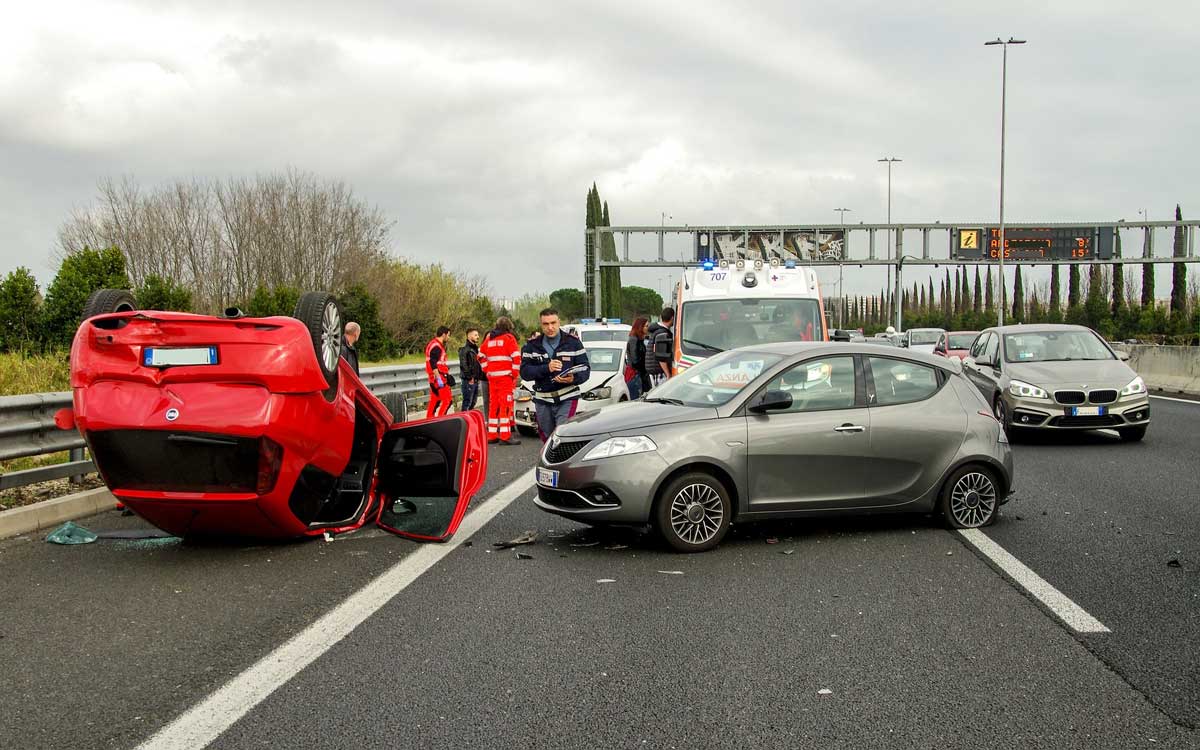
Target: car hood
column 598, row 379
column 631, row 416
column 1094, row 373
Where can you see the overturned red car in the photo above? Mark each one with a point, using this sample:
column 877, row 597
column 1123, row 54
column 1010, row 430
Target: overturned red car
column 230, row 425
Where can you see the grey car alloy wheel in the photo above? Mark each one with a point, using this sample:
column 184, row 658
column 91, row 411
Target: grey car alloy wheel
column 696, row 513
column 331, row 335
column 972, row 500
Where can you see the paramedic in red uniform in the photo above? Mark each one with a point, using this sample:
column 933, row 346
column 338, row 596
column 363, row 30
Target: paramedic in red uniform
column 438, row 370
column 500, row 355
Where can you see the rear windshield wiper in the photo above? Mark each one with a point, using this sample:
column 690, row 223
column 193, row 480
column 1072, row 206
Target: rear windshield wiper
column 658, row 400
column 702, row 345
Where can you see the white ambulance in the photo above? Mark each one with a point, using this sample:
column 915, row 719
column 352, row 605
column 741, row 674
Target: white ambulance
column 733, row 303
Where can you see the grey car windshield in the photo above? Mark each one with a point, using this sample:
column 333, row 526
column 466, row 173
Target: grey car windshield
column 1054, row 346
column 715, row 380
column 920, row 337
column 604, row 360
column 962, row 340
column 711, row 326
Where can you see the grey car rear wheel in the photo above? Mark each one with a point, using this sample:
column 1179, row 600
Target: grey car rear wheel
column 693, row 512
column 970, row 498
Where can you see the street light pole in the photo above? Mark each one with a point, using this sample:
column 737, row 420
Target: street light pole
column 1003, row 123
column 890, row 160
column 841, row 265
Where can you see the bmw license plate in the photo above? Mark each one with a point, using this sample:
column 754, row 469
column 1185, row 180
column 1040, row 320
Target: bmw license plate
column 547, row 477
column 1086, row 411
column 171, row 356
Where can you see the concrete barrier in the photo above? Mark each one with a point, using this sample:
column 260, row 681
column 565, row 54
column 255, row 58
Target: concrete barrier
column 50, row 513
column 1174, row 369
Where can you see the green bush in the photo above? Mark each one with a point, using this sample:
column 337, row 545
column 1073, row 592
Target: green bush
column 20, row 303
column 81, row 274
column 157, row 293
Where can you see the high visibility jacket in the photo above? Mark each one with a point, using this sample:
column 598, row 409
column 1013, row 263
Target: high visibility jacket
column 435, row 361
column 500, row 355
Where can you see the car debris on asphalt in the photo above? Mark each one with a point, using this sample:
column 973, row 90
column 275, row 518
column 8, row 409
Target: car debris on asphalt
column 529, row 537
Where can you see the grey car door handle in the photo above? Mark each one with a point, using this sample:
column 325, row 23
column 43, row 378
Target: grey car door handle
column 849, row 428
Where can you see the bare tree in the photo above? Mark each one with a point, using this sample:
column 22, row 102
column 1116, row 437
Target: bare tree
column 222, row 239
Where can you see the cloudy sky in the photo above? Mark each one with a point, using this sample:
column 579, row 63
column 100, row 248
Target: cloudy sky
column 479, row 127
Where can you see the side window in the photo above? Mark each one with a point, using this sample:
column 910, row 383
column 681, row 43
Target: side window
column 977, row 345
column 991, row 348
column 901, row 382
column 818, row 385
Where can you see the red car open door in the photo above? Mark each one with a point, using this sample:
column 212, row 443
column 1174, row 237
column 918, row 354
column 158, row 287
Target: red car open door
column 428, row 473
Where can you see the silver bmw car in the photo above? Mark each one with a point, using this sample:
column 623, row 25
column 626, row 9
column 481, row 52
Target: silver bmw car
column 783, row 431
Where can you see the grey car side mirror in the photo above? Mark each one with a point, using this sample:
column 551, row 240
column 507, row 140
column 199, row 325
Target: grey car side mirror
column 772, row 401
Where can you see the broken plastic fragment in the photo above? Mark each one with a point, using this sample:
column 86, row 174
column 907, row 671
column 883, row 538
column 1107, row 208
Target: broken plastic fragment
column 606, row 580
column 772, row 540
column 824, row 691
column 786, row 551
column 529, row 537
column 1173, row 563
column 585, row 544
column 523, row 556
column 328, row 537
column 672, row 572
column 69, row 533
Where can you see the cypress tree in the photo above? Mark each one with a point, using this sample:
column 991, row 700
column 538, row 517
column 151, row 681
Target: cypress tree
column 957, row 306
column 921, row 304
column 1073, row 286
column 948, row 299
column 990, row 293
column 932, row 300
column 590, row 250
column 1118, row 281
column 1147, row 275
column 966, row 292
column 1018, row 306
column 1179, row 276
column 1055, row 283
column 611, row 277
column 977, row 299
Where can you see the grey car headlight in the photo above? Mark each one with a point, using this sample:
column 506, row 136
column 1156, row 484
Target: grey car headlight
column 621, row 446
column 1136, row 386
column 597, row 394
column 1026, row 390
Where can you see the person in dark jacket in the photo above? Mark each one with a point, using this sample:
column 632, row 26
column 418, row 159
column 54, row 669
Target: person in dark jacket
column 556, row 363
column 636, row 378
column 350, row 336
column 660, row 348
column 470, row 370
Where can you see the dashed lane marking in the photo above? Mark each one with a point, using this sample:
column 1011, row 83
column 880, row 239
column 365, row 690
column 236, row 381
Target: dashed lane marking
column 1066, row 610
column 205, row 721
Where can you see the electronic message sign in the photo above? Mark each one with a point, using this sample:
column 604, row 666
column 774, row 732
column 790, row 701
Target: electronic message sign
column 1033, row 243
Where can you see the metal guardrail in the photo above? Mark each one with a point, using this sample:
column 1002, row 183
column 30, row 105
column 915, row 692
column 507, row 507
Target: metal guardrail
column 27, row 423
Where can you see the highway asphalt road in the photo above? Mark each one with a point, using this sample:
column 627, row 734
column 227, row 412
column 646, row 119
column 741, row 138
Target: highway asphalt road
column 920, row 640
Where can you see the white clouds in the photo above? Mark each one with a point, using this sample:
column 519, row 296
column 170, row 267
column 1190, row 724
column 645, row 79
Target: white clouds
column 485, row 123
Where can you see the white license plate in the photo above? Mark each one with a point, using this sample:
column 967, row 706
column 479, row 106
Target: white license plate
column 547, row 477
column 1087, row 411
column 169, row 357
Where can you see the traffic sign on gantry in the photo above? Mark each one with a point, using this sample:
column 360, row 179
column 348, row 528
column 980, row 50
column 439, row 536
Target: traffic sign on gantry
column 1034, row 243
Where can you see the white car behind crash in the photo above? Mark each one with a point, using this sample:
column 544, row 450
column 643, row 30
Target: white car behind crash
column 605, row 386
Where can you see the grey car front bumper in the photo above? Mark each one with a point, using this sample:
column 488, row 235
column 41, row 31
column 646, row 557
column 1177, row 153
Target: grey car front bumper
column 606, row 490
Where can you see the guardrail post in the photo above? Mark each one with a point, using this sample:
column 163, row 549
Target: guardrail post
column 76, row 454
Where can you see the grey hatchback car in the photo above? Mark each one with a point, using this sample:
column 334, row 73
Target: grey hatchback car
column 783, row 431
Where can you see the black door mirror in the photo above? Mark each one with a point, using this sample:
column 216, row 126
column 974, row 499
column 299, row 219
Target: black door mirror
column 772, row 401
column 840, row 335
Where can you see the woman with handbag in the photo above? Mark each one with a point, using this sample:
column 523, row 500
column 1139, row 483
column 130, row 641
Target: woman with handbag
column 635, row 360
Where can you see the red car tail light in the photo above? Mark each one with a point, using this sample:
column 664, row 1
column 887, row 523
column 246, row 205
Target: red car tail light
column 270, row 458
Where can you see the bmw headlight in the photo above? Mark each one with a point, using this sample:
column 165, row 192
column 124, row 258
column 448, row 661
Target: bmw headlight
column 598, row 394
column 621, row 446
column 1025, row 390
column 1135, row 387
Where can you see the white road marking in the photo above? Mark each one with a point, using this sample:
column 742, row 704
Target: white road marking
column 1178, row 400
column 1068, row 611
column 205, row 721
